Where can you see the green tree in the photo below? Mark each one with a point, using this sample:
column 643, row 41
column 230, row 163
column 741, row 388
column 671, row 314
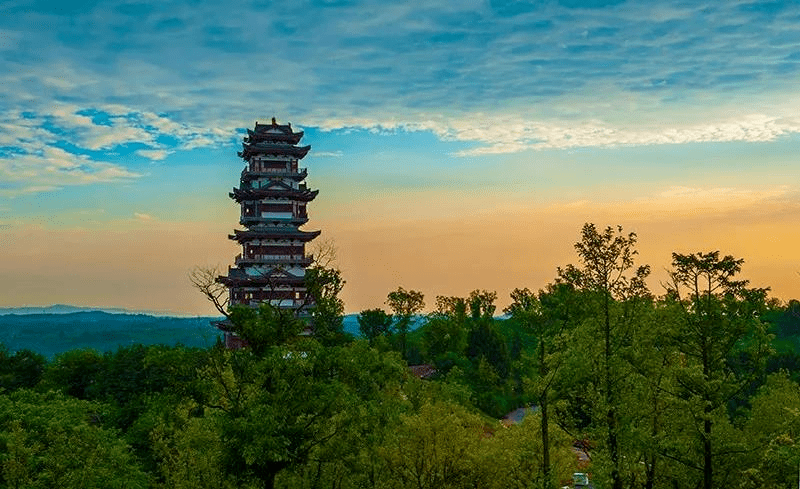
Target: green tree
column 438, row 447
column 373, row 323
column 548, row 316
column 23, row 369
column 327, row 309
column 773, row 432
column 614, row 288
column 189, row 449
column 516, row 450
column 405, row 304
column 277, row 408
column 76, row 372
column 266, row 326
column 719, row 321
column 445, row 333
column 49, row 440
column 481, row 303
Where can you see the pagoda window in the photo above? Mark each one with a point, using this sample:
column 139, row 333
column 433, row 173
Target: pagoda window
column 276, row 208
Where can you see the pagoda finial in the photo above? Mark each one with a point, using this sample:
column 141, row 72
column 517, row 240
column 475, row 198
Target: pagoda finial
column 273, row 122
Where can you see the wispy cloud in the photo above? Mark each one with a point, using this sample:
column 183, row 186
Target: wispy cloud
column 328, row 154
column 153, row 154
column 504, row 76
column 373, row 60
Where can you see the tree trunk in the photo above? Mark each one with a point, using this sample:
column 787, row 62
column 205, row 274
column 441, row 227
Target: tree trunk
column 708, row 471
column 269, row 481
column 611, row 416
column 547, row 483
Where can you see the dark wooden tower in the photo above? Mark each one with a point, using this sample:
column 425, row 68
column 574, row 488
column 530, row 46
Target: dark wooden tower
column 273, row 197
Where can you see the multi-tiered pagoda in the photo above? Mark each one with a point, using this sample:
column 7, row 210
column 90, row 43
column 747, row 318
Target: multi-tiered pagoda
column 273, row 197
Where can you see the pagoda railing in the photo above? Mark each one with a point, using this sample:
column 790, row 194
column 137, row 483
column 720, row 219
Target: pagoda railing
column 300, row 219
column 308, row 259
column 273, row 172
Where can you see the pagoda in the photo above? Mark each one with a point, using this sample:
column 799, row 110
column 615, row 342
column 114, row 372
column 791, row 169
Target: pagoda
column 273, row 197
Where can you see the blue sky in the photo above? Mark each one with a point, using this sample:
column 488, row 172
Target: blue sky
column 456, row 144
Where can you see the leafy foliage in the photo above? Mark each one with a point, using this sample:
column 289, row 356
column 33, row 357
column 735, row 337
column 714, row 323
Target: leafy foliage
column 52, row 440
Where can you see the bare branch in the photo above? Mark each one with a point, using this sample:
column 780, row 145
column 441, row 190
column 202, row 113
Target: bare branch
column 324, row 253
column 204, row 279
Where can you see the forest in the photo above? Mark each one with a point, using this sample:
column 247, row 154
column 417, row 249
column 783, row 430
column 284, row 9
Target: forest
column 691, row 386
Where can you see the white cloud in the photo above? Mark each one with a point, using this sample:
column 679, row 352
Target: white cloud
column 530, row 76
column 328, row 154
column 153, row 154
column 51, row 168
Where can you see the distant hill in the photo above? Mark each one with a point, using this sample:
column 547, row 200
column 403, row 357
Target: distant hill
column 65, row 309
column 53, row 333
column 51, row 330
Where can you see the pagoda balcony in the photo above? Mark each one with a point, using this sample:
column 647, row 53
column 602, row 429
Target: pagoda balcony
column 280, row 303
column 287, row 215
column 274, row 172
column 304, row 260
column 251, row 220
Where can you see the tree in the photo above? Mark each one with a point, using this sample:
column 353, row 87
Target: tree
column 444, row 334
column 76, row 372
column 373, row 323
column 719, row 321
column 23, row 369
column 204, row 279
column 772, row 432
column 405, row 304
column 49, row 440
column 265, row 327
column 276, row 408
column 547, row 316
column 481, row 303
column 439, row 447
column 615, row 288
column 327, row 308
column 516, row 451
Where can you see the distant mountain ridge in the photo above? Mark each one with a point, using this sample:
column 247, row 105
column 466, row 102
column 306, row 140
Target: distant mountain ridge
column 67, row 309
column 51, row 330
column 56, row 332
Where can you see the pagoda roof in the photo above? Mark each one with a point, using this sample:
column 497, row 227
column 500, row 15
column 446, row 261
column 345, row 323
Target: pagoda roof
column 273, row 232
column 264, row 132
column 259, row 148
column 303, row 195
column 276, row 276
column 274, row 127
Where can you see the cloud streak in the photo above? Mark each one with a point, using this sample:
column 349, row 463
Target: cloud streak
column 202, row 67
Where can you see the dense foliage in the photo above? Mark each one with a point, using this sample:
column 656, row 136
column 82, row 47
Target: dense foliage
column 694, row 387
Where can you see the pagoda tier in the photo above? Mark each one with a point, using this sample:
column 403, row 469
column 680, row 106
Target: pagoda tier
column 301, row 195
column 276, row 278
column 274, row 233
column 248, row 176
column 273, row 149
column 273, row 197
column 258, row 136
column 273, row 132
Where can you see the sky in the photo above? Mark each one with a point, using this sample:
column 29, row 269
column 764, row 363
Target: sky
column 457, row 145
